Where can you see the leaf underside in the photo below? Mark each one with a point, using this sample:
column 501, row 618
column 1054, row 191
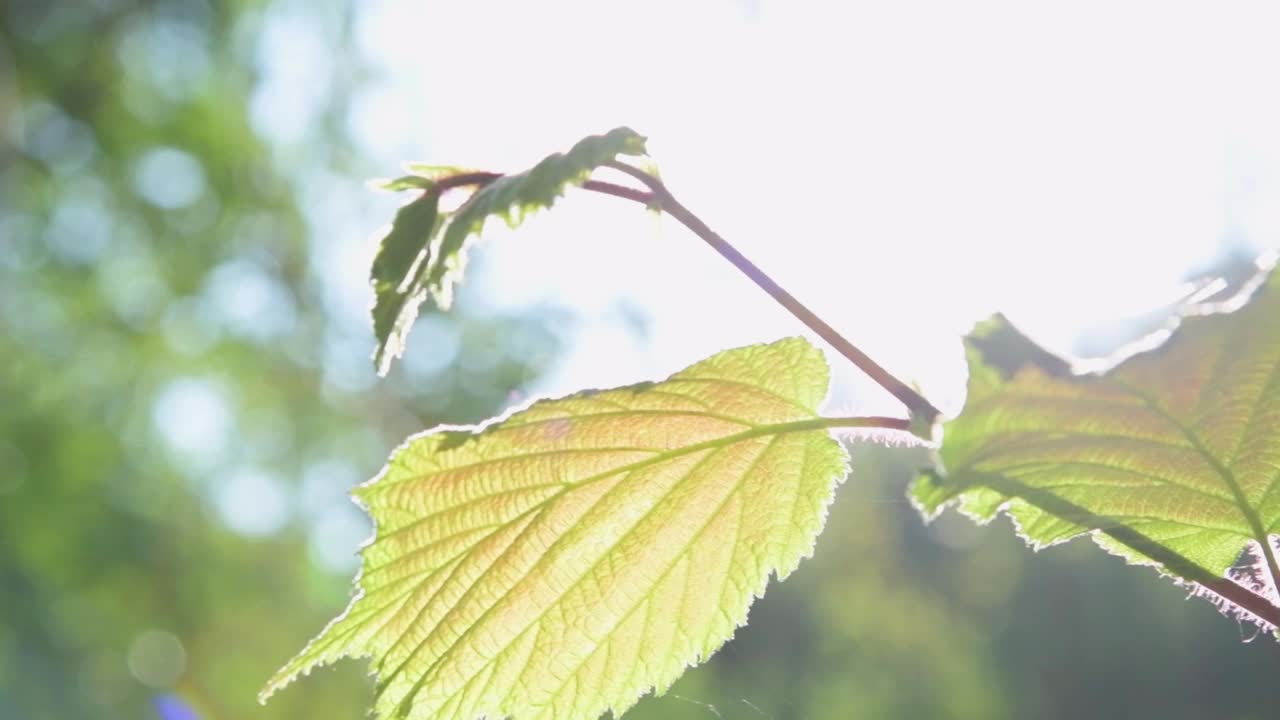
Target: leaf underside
column 424, row 253
column 565, row 560
column 1169, row 458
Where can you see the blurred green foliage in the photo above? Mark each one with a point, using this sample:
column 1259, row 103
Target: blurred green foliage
column 186, row 397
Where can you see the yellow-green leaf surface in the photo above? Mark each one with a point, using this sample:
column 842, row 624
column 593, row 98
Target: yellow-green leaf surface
column 1170, row 457
column 561, row 562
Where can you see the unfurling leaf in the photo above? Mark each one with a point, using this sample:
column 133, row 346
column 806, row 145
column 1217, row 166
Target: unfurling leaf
column 1169, row 458
column 514, row 197
column 398, row 275
column 562, row 561
column 425, row 252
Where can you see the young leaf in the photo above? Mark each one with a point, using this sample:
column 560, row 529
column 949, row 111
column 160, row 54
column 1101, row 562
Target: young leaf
column 513, row 197
column 416, row 260
column 562, row 561
column 398, row 275
column 1170, row 458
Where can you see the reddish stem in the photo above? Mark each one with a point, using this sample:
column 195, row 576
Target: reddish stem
column 659, row 196
column 920, row 407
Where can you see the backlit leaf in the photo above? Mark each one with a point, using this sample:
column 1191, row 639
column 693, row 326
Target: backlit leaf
column 514, row 197
column 564, row 560
column 1171, row 457
column 398, row 275
column 425, row 252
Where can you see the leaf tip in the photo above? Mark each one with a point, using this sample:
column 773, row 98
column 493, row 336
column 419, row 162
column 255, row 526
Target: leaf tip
column 928, row 493
column 283, row 677
column 382, row 360
column 631, row 142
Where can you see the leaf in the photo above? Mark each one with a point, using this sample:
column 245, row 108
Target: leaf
column 420, row 258
column 1169, row 458
column 398, row 275
column 514, row 197
column 562, row 561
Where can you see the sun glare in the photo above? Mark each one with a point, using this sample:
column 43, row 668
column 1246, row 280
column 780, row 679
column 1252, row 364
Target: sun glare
column 904, row 168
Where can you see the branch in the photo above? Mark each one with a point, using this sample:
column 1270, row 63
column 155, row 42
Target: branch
column 621, row 191
column 920, row 407
column 661, row 198
column 872, row 422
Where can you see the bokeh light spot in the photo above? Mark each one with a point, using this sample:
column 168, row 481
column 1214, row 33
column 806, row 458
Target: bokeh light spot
column 250, row 300
column 335, row 535
column 432, row 347
column 325, row 484
column 80, row 229
column 133, row 284
column 252, row 503
column 168, row 178
column 170, row 54
column 193, row 417
column 65, row 144
column 156, row 658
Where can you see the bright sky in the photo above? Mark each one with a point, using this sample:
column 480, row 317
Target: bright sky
column 904, row 168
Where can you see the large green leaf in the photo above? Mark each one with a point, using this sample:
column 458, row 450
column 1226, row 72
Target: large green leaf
column 425, row 252
column 562, row 561
column 1171, row 457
